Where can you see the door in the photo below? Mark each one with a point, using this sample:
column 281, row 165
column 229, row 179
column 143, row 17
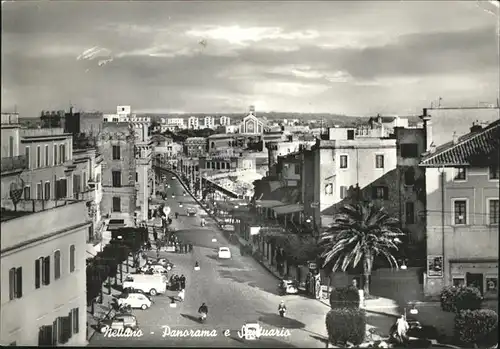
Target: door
column 475, row 280
column 117, row 204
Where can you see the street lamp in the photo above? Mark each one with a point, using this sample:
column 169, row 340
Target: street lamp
column 120, row 238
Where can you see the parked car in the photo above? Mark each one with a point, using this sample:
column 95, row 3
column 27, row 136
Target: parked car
column 165, row 262
column 224, row 253
column 134, row 300
column 191, row 211
column 152, row 284
column 173, row 178
column 119, row 322
column 287, row 286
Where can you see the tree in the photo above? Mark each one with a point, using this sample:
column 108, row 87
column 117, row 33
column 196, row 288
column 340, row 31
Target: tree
column 360, row 233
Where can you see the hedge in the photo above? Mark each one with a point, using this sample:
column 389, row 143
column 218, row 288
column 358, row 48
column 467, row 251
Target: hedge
column 346, row 325
column 344, row 297
column 475, row 326
column 455, row 299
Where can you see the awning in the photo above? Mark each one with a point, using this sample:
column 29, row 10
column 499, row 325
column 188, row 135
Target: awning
column 91, row 251
column 288, row 209
column 268, row 203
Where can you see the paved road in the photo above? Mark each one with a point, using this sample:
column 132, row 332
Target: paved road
column 237, row 291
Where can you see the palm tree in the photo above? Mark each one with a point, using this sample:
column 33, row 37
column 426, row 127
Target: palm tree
column 361, row 232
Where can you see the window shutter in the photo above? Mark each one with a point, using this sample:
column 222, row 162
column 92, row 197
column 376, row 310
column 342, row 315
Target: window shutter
column 37, row 273
column 19, row 282
column 41, row 336
column 55, row 333
column 12, row 283
column 70, row 324
column 46, row 261
column 76, row 320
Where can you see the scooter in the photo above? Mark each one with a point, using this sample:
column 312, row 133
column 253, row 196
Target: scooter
column 203, row 317
column 282, row 312
column 203, row 223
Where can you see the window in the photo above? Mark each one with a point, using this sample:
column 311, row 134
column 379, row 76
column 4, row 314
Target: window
column 46, row 271
column 84, row 185
column 379, row 161
column 494, row 172
column 329, row 189
column 116, row 152
column 409, row 176
column 38, row 272
column 460, row 174
column 55, row 155
column 15, row 283
column 62, row 153
column 409, row 150
column 410, row 213
column 493, row 211
column 117, row 204
column 27, row 192
column 343, row 161
column 350, row 134
column 459, row 211
column 137, row 176
column 45, row 336
column 117, row 178
column 46, row 191
column 75, row 319
column 11, row 146
column 61, row 188
column 72, row 251
column 46, row 156
column 77, row 183
column 343, row 192
column 297, row 169
column 27, row 154
column 57, row 265
column 39, row 193
column 38, row 156
column 380, row 192
column 458, row 282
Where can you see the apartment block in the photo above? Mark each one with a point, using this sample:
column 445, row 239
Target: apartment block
column 117, row 147
column 43, row 273
column 462, row 214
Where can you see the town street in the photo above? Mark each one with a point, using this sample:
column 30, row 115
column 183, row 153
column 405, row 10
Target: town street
column 236, row 291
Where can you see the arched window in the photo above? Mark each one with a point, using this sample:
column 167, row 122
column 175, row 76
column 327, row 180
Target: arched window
column 72, row 258
column 409, row 176
column 57, row 264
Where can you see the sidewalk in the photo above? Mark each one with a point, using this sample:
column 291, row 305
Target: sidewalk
column 104, row 310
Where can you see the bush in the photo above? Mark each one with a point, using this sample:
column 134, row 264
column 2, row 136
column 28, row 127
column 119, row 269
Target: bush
column 346, row 325
column 344, row 297
column 475, row 326
column 455, row 299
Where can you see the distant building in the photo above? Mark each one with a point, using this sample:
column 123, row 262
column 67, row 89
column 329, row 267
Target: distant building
column 385, row 124
column 172, row 124
column 225, row 121
column 251, row 124
column 231, row 129
column 462, row 215
column 195, row 146
column 193, row 123
column 209, row 122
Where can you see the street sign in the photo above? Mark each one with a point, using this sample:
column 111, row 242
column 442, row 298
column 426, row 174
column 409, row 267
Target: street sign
column 314, row 204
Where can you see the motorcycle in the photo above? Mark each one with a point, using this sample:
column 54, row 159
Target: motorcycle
column 203, row 317
column 203, row 223
column 282, row 312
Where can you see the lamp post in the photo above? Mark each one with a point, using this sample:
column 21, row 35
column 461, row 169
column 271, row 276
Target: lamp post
column 120, row 238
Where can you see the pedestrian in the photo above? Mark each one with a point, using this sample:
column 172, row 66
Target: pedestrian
column 190, row 247
column 182, row 280
column 155, row 236
column 181, row 294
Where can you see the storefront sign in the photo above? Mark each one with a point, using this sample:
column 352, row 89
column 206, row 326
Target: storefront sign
column 435, row 266
column 254, row 230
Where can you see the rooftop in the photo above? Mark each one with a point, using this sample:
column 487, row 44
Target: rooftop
column 477, row 145
column 10, row 118
column 27, row 207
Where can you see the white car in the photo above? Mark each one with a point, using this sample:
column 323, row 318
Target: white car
column 224, row 253
column 173, row 178
column 134, row 300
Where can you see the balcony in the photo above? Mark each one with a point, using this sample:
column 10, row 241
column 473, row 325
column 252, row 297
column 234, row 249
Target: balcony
column 14, row 164
column 88, row 195
column 10, row 118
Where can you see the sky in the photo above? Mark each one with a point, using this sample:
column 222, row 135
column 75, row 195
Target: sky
column 353, row 58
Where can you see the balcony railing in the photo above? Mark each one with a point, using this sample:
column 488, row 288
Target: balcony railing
column 15, row 163
column 86, row 196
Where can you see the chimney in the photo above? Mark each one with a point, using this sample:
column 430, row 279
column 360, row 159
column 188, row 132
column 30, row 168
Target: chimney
column 455, row 137
column 476, row 127
column 427, row 129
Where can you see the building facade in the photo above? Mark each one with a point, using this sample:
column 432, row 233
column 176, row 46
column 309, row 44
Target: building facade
column 462, row 215
column 195, row 146
column 193, row 123
column 225, row 121
column 117, row 147
column 43, row 287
